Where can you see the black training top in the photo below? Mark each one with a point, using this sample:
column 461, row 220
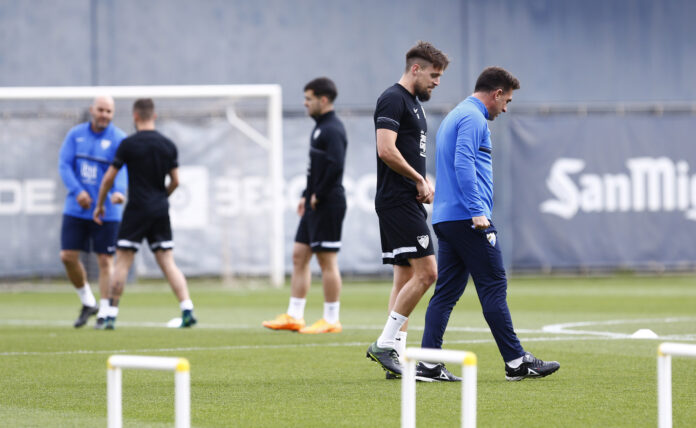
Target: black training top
column 149, row 156
column 399, row 110
column 327, row 154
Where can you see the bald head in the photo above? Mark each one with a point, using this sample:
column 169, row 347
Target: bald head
column 102, row 112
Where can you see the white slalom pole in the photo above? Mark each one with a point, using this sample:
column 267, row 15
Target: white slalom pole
column 408, row 382
column 664, row 378
column 182, row 385
column 113, row 397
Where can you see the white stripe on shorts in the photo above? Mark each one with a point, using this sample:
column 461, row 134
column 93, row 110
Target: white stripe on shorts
column 128, row 244
column 397, row 251
column 326, row 244
column 166, row 245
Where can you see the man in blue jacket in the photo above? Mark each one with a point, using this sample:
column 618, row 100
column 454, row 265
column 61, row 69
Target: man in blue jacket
column 86, row 153
column 467, row 238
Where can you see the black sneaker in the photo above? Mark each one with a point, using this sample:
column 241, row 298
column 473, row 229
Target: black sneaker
column 390, row 376
column 101, row 322
column 531, row 367
column 187, row 319
column 85, row 313
column 436, row 374
column 385, row 357
column 110, row 323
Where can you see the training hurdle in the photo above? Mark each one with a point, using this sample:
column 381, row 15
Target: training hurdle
column 408, row 382
column 664, row 378
column 182, row 388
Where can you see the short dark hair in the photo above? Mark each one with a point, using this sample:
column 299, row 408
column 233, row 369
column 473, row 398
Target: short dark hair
column 322, row 87
column 144, row 108
column 425, row 51
column 492, row 78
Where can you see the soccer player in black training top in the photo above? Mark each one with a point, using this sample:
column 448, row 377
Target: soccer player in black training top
column 322, row 209
column 150, row 157
column 402, row 188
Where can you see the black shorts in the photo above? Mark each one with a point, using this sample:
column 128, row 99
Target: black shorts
column 86, row 235
column 136, row 225
column 404, row 233
column 321, row 228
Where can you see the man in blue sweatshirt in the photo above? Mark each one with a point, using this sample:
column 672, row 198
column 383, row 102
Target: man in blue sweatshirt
column 86, row 153
column 467, row 238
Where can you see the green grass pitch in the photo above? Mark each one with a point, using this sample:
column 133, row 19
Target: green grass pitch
column 243, row 375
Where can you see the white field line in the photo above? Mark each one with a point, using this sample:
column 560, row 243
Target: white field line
column 562, row 330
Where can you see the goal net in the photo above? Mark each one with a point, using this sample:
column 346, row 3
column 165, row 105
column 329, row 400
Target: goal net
column 227, row 214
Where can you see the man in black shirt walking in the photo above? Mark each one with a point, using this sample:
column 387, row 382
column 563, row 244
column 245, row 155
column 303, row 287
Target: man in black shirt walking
column 321, row 210
column 402, row 188
column 150, row 157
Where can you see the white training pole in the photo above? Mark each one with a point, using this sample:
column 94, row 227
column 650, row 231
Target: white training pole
column 408, row 382
column 113, row 397
column 182, row 385
column 664, row 378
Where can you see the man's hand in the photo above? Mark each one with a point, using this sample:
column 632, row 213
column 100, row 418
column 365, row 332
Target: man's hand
column 98, row 214
column 313, row 201
column 424, row 191
column 431, row 197
column 300, row 207
column 84, row 199
column 118, row 198
column 481, row 222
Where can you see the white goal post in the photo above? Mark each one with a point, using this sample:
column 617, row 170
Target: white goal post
column 272, row 141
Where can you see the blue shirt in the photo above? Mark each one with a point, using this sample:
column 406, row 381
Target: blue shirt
column 84, row 158
column 464, row 167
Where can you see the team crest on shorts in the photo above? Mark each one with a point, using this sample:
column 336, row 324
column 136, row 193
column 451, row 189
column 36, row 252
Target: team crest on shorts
column 491, row 238
column 423, row 240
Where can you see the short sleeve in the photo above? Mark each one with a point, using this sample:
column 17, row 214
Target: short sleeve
column 390, row 108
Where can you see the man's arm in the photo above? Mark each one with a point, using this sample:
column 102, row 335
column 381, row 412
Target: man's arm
column 173, row 180
column 465, row 170
column 106, row 184
column 390, row 155
column 120, row 187
column 66, row 158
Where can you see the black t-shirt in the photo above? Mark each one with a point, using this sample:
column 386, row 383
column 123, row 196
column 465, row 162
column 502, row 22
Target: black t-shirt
column 327, row 154
column 399, row 110
column 149, row 156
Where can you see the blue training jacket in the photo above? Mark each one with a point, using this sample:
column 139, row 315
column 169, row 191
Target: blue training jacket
column 464, row 167
column 84, row 158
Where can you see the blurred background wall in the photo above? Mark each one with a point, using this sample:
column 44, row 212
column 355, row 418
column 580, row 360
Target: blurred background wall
column 606, row 85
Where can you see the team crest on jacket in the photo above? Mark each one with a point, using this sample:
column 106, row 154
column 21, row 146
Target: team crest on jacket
column 316, row 133
column 491, row 238
column 423, row 240
column 105, row 144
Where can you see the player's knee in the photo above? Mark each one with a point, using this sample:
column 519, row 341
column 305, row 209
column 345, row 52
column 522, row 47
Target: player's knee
column 428, row 276
column 68, row 257
column 300, row 258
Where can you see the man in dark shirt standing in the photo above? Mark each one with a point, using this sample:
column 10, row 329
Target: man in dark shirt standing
column 402, row 188
column 150, row 157
column 321, row 210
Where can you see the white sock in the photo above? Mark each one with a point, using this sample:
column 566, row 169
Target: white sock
column 391, row 329
column 86, row 296
column 112, row 312
column 296, row 307
column 514, row 363
column 103, row 308
column 331, row 311
column 186, row 305
column 400, row 342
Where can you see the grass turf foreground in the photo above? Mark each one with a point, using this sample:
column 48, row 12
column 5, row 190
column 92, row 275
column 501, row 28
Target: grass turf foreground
column 243, row 375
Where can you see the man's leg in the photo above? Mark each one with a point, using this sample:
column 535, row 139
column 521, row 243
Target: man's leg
column 383, row 350
column 331, row 281
column 106, row 270
column 124, row 260
column 451, row 282
column 402, row 274
column 300, row 282
column 177, row 281
column 78, row 277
